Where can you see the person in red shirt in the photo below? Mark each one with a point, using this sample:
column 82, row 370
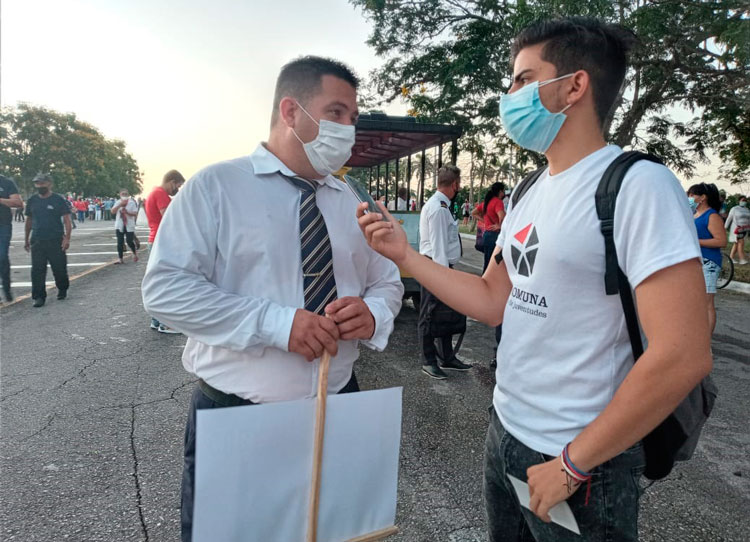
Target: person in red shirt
column 159, row 199
column 492, row 212
column 156, row 205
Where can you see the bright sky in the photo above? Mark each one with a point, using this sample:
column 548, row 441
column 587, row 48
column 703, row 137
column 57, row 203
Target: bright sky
column 184, row 83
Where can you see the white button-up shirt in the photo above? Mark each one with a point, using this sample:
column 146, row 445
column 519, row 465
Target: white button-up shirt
column 438, row 231
column 225, row 270
column 130, row 207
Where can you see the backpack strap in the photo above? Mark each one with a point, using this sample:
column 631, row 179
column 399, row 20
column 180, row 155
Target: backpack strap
column 614, row 279
column 525, row 184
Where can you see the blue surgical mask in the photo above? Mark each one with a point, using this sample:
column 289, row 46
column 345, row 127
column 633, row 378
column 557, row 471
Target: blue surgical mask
column 693, row 204
column 743, row 204
column 527, row 121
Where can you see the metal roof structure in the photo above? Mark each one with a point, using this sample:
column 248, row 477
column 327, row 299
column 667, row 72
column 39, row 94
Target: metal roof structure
column 381, row 138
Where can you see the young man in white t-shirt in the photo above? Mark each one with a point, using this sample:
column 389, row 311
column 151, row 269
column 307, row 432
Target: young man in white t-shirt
column 565, row 377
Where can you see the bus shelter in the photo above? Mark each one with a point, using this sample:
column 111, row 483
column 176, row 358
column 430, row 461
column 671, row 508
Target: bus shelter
column 382, row 142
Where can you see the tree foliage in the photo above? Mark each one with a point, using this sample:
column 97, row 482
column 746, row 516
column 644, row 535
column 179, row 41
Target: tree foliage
column 79, row 157
column 686, row 93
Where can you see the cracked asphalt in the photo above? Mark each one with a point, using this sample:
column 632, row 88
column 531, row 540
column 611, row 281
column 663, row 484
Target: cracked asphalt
column 93, row 406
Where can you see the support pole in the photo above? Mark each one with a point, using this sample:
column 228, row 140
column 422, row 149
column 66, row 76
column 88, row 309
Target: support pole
column 421, row 183
column 408, row 183
column 387, row 178
column 320, row 427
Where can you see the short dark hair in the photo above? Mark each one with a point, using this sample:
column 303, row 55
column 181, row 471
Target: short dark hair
column 173, row 175
column 448, row 174
column 583, row 43
column 710, row 191
column 301, row 77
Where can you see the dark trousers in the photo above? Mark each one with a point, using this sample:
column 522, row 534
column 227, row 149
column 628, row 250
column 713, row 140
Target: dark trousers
column 200, row 401
column 43, row 252
column 611, row 513
column 6, row 231
column 488, row 242
column 81, row 217
column 430, row 351
column 121, row 236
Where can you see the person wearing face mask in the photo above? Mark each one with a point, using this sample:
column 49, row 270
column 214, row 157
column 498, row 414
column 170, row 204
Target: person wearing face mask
column 705, row 203
column 738, row 226
column 439, row 241
column 570, row 404
column 259, row 261
column 47, row 237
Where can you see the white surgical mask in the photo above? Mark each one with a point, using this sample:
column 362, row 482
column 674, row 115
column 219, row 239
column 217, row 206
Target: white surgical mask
column 331, row 149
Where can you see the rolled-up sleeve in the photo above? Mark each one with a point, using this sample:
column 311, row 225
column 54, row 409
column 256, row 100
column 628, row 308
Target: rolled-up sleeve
column 177, row 289
column 383, row 297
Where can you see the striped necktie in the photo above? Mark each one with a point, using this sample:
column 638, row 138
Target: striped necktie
column 315, row 248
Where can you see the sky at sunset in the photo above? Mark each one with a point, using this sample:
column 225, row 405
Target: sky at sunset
column 183, row 83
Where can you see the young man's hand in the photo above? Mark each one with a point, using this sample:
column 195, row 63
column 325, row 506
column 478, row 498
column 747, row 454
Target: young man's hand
column 353, row 318
column 387, row 238
column 548, row 486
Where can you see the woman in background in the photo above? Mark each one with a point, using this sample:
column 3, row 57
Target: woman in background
column 712, row 237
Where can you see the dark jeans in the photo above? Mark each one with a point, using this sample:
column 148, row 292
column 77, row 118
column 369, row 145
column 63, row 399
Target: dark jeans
column 81, row 217
column 200, row 401
column 430, row 351
column 43, row 251
column 6, row 231
column 121, row 236
column 612, row 511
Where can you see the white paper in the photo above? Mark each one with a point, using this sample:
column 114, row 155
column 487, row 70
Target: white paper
column 560, row 513
column 254, row 469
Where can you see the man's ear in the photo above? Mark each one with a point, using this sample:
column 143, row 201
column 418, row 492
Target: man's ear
column 287, row 111
column 579, row 85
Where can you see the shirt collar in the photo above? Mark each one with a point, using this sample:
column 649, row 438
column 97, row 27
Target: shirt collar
column 265, row 162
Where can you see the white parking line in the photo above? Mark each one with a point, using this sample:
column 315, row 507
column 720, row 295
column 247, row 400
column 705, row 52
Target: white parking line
column 469, row 265
column 87, row 264
column 88, row 253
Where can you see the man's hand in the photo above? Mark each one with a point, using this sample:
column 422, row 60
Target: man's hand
column 312, row 335
column 493, row 227
column 353, row 318
column 387, row 238
column 65, row 244
column 548, row 486
column 27, row 246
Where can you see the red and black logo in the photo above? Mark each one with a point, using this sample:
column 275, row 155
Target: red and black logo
column 524, row 255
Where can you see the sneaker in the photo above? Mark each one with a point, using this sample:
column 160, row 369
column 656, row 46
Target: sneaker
column 433, row 371
column 168, row 330
column 8, row 296
column 62, row 294
column 735, row 260
column 155, row 323
column 39, row 302
column 455, row 364
column 493, row 363
column 742, row 262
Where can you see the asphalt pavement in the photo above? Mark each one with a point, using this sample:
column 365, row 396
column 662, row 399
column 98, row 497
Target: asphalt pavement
column 93, row 406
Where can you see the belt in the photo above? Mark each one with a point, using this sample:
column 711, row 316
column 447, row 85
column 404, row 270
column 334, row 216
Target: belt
column 224, row 399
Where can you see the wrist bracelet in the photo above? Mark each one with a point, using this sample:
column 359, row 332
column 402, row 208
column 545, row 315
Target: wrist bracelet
column 575, row 473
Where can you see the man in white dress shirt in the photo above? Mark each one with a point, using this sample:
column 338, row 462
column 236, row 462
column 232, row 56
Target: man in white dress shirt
column 439, row 241
column 234, row 264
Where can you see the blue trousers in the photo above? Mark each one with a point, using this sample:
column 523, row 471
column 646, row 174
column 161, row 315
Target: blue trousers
column 611, row 513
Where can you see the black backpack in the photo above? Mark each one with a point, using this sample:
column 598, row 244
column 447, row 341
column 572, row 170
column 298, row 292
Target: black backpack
column 676, row 437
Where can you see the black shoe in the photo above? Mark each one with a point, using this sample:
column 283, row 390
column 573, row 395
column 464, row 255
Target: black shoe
column 39, row 302
column 62, row 294
column 433, row 371
column 493, row 363
column 455, row 364
column 8, row 296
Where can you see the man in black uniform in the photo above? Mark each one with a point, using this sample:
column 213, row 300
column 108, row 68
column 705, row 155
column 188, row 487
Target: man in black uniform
column 9, row 199
column 47, row 212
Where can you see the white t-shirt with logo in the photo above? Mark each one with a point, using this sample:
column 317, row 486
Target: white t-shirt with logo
column 565, row 348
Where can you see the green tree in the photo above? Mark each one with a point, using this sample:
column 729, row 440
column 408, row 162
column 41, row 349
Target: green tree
column 450, row 60
column 79, row 157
